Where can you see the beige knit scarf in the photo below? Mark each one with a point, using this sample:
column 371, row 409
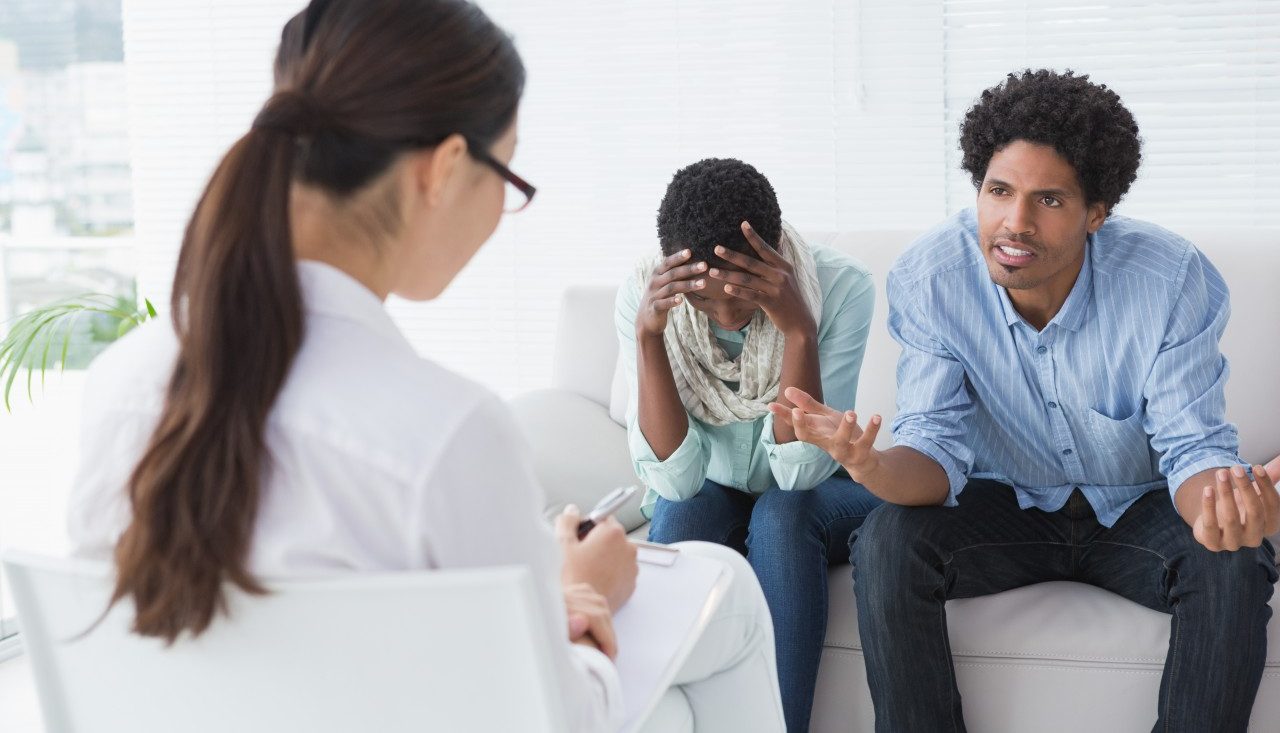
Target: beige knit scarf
column 699, row 364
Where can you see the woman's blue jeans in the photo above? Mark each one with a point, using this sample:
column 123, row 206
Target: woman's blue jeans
column 789, row 538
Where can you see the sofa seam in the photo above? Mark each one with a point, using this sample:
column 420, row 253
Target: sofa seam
column 1270, row 664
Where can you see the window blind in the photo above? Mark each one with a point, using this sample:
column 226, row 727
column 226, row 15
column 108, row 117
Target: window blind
column 620, row 95
column 850, row 108
column 1202, row 80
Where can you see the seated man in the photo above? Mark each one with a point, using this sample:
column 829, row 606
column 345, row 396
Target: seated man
column 736, row 308
column 1060, row 417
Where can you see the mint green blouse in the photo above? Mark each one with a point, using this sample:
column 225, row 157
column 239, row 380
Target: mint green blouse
column 744, row 455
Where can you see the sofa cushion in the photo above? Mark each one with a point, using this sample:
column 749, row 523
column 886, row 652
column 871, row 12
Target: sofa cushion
column 586, row 346
column 1070, row 623
column 553, row 420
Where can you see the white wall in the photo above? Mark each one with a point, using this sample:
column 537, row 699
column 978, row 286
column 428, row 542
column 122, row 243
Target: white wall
column 849, row 107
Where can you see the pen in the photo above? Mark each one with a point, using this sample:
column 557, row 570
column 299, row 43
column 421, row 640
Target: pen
column 612, row 502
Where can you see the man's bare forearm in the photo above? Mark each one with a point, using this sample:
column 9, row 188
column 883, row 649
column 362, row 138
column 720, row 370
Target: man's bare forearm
column 662, row 417
column 906, row 476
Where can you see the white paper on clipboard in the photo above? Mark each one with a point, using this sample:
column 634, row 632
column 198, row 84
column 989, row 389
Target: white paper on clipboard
column 659, row 626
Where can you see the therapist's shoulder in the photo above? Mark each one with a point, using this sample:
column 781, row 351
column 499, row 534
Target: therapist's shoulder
column 132, row 374
column 427, row 413
column 363, row 385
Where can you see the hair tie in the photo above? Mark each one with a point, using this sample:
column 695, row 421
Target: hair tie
column 292, row 112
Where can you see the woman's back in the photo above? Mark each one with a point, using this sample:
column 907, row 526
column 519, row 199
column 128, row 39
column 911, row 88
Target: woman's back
column 280, row 425
column 362, row 440
column 378, row 460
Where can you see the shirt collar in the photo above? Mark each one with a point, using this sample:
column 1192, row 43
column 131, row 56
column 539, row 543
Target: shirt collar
column 328, row 291
column 739, row 336
column 1074, row 309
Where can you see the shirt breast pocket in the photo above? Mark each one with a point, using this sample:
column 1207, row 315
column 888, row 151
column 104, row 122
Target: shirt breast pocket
column 1121, row 450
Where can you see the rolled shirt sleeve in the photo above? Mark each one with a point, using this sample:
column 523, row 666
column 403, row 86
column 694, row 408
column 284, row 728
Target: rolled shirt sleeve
column 796, row 466
column 681, row 475
column 1185, row 389
column 934, row 403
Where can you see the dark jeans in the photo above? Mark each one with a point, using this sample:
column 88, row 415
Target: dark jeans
column 789, row 537
column 909, row 560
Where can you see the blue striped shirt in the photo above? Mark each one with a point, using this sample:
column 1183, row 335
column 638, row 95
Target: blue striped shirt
column 1119, row 395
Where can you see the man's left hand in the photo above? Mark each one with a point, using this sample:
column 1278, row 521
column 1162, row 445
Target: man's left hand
column 1237, row 512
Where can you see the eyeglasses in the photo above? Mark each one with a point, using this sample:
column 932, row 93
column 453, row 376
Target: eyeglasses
column 512, row 201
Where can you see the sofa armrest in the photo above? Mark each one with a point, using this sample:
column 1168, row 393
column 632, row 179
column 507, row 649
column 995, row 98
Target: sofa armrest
column 579, row 453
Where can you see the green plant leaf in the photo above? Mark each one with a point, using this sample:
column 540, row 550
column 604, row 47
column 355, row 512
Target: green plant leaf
column 66, row 343
column 26, row 336
column 39, row 328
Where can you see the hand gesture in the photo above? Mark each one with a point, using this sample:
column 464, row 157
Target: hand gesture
column 768, row 283
column 1237, row 512
column 835, row 432
column 670, row 279
column 604, row 559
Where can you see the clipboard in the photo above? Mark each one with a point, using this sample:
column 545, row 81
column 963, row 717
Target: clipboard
column 660, row 625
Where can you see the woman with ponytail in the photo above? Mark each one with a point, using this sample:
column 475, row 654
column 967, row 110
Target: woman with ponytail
column 279, row 425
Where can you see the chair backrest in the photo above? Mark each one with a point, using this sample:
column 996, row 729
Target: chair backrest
column 423, row 651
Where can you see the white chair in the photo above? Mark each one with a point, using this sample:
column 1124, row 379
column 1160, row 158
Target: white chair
column 425, row 651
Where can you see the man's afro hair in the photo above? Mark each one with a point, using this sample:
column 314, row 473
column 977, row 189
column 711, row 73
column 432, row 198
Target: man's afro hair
column 1085, row 122
column 706, row 203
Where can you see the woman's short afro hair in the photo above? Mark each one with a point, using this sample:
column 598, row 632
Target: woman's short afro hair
column 706, row 203
column 1085, row 122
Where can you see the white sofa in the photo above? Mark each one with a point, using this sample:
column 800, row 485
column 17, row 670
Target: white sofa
column 1049, row 657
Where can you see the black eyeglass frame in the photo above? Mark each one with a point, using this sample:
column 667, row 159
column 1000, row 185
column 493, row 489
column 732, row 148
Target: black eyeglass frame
column 311, row 20
column 523, row 186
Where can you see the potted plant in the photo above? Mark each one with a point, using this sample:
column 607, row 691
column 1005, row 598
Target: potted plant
column 65, row 333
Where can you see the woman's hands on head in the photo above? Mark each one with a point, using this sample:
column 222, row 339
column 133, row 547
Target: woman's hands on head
column 672, row 278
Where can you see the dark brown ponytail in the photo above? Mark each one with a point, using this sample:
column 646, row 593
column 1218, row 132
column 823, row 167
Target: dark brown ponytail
column 369, row 80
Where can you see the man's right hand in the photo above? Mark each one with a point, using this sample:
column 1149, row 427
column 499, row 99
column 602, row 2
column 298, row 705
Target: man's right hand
column 671, row 279
column 604, row 559
column 834, row 431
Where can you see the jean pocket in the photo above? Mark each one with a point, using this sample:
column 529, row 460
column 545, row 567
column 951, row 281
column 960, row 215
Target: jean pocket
column 1122, row 450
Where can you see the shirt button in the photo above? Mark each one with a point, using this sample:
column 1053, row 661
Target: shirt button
column 1053, row 405
column 1041, row 349
column 1066, row 452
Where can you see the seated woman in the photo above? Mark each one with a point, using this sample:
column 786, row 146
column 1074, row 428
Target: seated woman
column 280, row 425
column 737, row 309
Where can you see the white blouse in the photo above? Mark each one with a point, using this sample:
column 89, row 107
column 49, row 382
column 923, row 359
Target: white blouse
column 380, row 460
